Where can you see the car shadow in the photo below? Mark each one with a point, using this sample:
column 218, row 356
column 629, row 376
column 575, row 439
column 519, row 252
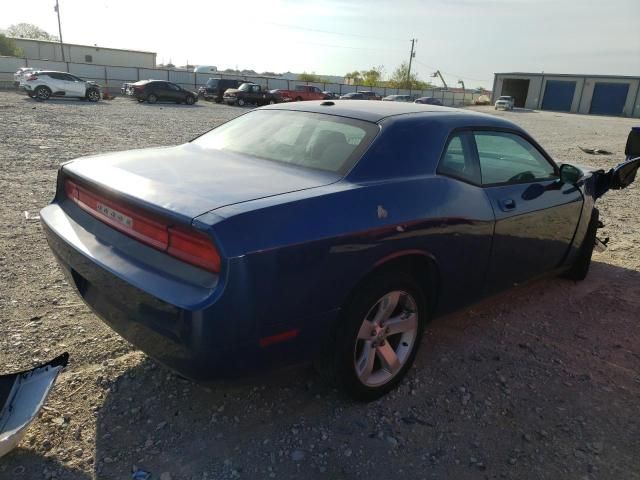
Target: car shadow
column 169, row 105
column 23, row 464
column 67, row 101
column 538, row 358
column 523, row 110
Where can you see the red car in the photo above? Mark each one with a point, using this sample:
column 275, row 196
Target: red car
column 302, row 92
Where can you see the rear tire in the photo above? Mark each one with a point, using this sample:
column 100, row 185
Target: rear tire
column 580, row 267
column 152, row 98
column 272, row 102
column 354, row 359
column 42, row 93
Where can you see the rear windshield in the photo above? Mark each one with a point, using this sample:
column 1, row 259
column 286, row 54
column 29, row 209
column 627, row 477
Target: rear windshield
column 312, row 140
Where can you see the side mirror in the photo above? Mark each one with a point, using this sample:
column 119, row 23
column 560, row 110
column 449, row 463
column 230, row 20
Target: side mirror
column 570, row 174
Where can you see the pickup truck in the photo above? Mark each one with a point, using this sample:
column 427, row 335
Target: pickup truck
column 250, row 93
column 302, row 92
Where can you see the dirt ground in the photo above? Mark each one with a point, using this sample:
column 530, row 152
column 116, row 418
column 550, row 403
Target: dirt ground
column 540, row 382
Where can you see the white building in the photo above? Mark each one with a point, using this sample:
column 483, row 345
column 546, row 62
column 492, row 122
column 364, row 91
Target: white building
column 46, row 50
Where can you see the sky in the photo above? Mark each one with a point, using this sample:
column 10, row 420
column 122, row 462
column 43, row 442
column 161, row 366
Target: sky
column 466, row 40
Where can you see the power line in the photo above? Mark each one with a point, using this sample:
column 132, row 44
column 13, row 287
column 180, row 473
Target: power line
column 348, row 47
column 333, row 32
column 453, row 74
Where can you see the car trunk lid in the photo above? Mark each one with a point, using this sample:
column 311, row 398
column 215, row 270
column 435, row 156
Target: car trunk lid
column 186, row 181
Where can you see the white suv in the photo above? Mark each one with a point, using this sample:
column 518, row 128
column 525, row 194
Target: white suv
column 505, row 102
column 46, row 84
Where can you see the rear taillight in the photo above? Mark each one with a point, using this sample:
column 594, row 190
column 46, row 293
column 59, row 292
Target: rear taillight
column 194, row 248
column 185, row 244
column 32, row 78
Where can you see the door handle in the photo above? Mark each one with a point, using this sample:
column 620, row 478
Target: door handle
column 507, row 204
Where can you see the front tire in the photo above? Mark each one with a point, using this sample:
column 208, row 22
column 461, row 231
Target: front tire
column 240, row 102
column 580, row 267
column 376, row 340
column 152, row 98
column 42, row 93
column 190, row 100
column 93, row 95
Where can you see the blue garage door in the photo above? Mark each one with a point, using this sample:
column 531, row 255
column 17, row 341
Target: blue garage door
column 558, row 95
column 609, row 98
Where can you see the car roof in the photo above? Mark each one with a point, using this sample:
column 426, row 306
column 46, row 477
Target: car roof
column 376, row 111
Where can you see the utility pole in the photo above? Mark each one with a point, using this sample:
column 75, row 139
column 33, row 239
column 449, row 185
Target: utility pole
column 57, row 9
column 411, row 55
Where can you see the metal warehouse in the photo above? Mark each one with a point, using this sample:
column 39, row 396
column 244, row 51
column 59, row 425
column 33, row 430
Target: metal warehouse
column 590, row 94
column 46, row 50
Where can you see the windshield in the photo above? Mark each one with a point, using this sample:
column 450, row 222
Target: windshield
column 504, row 98
column 245, row 87
column 312, row 140
column 212, row 83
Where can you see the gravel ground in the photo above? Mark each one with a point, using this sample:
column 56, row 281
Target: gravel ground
column 539, row 382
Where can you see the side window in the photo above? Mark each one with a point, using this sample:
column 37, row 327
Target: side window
column 509, row 158
column 458, row 160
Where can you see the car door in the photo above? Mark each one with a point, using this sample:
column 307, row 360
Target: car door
column 75, row 87
column 55, row 82
column 175, row 93
column 536, row 215
column 160, row 90
column 256, row 94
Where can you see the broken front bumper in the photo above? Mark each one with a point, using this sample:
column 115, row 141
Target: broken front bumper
column 22, row 395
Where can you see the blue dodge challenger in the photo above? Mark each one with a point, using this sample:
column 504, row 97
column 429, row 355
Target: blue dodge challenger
column 327, row 231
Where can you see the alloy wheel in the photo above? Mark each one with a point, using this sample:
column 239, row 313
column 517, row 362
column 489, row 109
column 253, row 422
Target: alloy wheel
column 386, row 338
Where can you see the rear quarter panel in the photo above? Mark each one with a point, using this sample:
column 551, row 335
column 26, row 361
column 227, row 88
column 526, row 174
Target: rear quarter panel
column 303, row 257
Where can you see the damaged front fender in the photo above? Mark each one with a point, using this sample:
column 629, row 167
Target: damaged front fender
column 22, row 395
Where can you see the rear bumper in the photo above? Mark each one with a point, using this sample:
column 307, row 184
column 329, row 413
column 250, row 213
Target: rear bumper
column 202, row 328
column 22, row 395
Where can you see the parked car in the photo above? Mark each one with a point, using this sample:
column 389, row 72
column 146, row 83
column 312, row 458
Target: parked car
column 45, row 84
column 324, row 231
column 125, row 88
column 152, row 91
column 428, row 101
column 482, row 100
column 215, row 88
column 20, row 76
column 369, row 95
column 504, row 102
column 352, row 96
column 302, row 92
column 398, row 98
column 250, row 93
